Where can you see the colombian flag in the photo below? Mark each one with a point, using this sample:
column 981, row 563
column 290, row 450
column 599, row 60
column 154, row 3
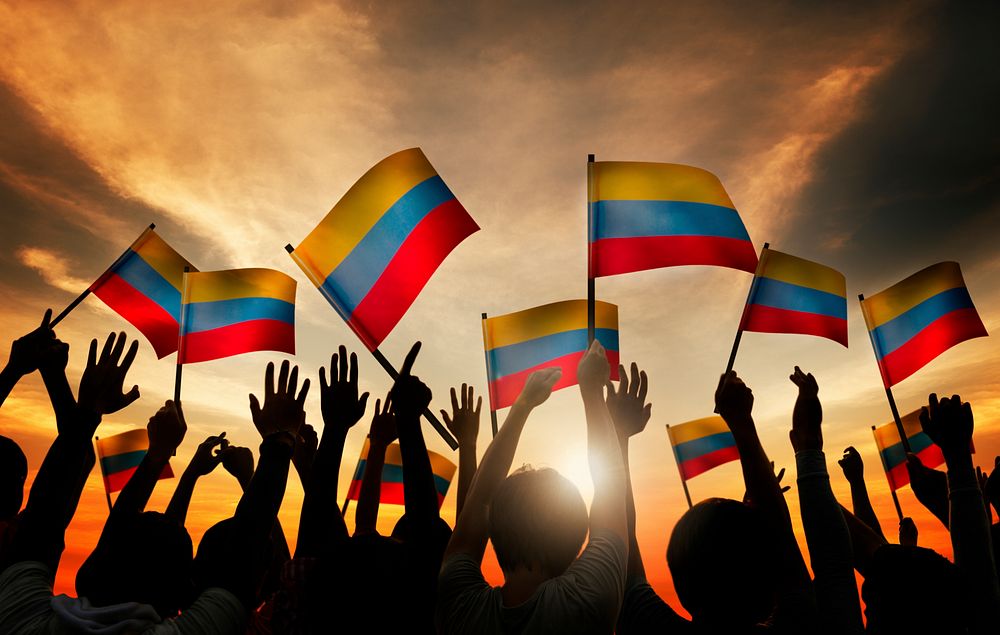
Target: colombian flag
column 794, row 295
column 379, row 245
column 552, row 335
column 144, row 287
column 236, row 311
column 890, row 448
column 651, row 215
column 392, row 475
column 915, row 320
column 702, row 444
column 120, row 455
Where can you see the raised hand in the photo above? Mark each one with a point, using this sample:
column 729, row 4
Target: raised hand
column 538, row 387
column 734, row 402
column 383, row 429
column 341, row 405
column 627, row 406
column 464, row 420
column 282, row 411
column 238, row 461
column 208, row 455
column 949, row 424
column 38, row 349
column 853, row 466
column 594, row 370
column 806, row 433
column 908, row 532
column 410, row 396
column 166, row 429
column 101, row 387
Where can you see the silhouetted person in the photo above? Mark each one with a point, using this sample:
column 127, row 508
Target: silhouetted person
column 854, row 471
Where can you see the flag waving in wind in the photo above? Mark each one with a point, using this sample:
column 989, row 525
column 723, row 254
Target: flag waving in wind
column 120, row 455
column 379, row 245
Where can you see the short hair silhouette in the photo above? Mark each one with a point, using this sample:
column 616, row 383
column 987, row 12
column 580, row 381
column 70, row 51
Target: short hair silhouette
column 537, row 519
column 915, row 590
column 723, row 558
column 13, row 474
column 148, row 560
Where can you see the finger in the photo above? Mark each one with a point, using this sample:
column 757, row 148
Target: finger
column 293, row 380
column 108, row 345
column 554, row 375
column 465, row 397
column 363, row 402
column 344, row 361
column 378, row 407
column 622, row 380
column 411, row 357
column 454, row 401
column 131, row 396
column 302, row 394
column 780, row 475
column 388, row 402
column 609, row 390
column 92, row 354
column 254, row 406
column 129, row 356
column 643, row 386
column 932, row 404
column 479, row 406
column 723, row 380
column 282, row 388
column 634, row 380
column 354, row 369
column 46, row 319
column 269, row 381
column 447, row 419
column 322, row 379
column 647, row 412
column 116, row 352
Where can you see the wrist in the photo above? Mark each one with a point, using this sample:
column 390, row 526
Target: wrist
column 10, row 373
column 160, row 455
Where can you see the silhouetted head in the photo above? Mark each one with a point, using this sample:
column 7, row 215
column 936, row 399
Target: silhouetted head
column 724, row 560
column 914, row 590
column 147, row 560
column 13, row 472
column 228, row 557
column 538, row 520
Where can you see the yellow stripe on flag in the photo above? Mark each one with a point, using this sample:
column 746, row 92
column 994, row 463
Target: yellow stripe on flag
column 691, row 430
column 131, row 441
column 231, row 284
column 887, row 434
column 569, row 315
column 162, row 257
column 802, row 272
column 903, row 296
column 638, row 181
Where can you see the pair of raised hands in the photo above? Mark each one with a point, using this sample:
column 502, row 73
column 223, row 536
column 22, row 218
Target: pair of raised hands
column 734, row 402
column 216, row 450
column 38, row 350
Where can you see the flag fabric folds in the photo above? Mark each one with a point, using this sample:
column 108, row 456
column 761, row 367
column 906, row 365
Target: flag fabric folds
column 144, row 287
column 392, row 475
column 702, row 444
column 651, row 215
column 551, row 335
column 379, row 245
column 236, row 311
column 915, row 320
column 120, row 455
column 794, row 295
column 893, row 454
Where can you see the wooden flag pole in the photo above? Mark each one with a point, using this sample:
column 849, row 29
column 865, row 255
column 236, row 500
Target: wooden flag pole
column 180, row 338
column 680, row 472
column 888, row 390
column 377, row 354
column 591, row 318
column 104, row 476
column 489, row 375
column 80, row 298
column 739, row 330
column 885, row 468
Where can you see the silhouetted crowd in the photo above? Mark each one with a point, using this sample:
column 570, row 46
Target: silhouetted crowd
column 735, row 565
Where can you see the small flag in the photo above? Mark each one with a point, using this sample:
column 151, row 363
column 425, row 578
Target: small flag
column 236, row 311
column 894, row 455
column 915, row 320
column 702, row 444
column 120, row 455
column 392, row 475
column 651, row 215
column 144, row 287
column 794, row 295
column 547, row 336
column 379, row 245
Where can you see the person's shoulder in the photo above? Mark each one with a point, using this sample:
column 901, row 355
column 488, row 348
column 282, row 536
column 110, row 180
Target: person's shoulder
column 24, row 572
column 216, row 611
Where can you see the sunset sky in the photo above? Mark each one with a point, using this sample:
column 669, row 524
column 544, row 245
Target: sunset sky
column 862, row 136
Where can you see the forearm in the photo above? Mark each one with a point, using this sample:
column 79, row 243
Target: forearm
column 636, row 570
column 366, row 516
column 606, row 467
column 135, row 495
column 260, row 503
column 862, row 505
column 466, row 472
column 8, row 379
column 181, row 500
column 419, row 492
column 864, row 541
column 60, row 394
column 321, row 521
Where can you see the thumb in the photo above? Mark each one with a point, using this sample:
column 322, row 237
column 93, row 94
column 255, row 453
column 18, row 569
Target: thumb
column 132, row 395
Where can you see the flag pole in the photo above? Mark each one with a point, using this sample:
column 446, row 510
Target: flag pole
column 104, row 477
column 347, row 496
column 888, row 390
column 489, row 383
column 180, row 338
column 885, row 468
column 377, row 354
column 739, row 331
column 590, row 248
column 80, row 298
column 680, row 472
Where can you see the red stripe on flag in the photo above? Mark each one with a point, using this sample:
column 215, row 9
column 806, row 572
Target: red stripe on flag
column 766, row 319
column 243, row 337
column 391, row 493
column 940, row 335
column 705, row 462
column 404, row 277
column 930, row 456
column 612, row 256
column 159, row 327
column 506, row 389
column 116, row 481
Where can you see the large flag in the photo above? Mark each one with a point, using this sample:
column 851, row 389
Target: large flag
column 551, row 335
column 915, row 320
column 890, row 447
column 651, row 215
column 392, row 475
column 702, row 444
column 144, row 287
column 120, row 455
column 236, row 311
column 794, row 295
column 379, row 245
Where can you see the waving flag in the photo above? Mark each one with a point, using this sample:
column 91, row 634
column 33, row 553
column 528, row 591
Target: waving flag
column 236, row 311
column 651, row 215
column 379, row 245
column 392, row 475
column 890, row 448
column 552, row 335
column 702, row 444
column 120, row 455
column 144, row 287
column 794, row 295
column 915, row 320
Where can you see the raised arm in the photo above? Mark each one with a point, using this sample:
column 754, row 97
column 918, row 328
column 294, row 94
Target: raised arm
column 854, row 472
column 472, row 526
column 464, row 424
column 206, row 458
column 32, row 352
column 410, row 397
column 930, row 486
column 381, row 435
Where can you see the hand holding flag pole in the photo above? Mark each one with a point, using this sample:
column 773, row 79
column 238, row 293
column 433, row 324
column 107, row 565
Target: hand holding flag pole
column 739, row 329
